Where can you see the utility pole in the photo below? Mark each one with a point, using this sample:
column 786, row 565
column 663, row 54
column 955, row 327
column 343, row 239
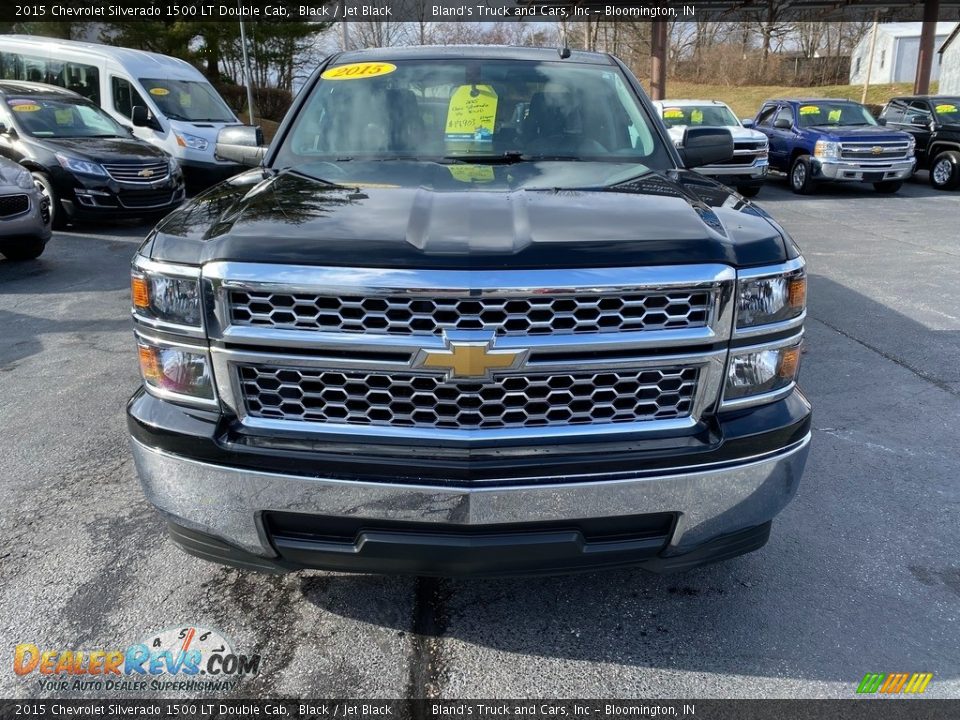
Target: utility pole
column 247, row 76
column 873, row 49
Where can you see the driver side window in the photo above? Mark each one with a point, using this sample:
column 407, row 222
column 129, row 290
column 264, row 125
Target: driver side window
column 765, row 117
column 785, row 113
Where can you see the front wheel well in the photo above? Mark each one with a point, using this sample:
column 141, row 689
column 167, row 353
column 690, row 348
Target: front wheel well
column 942, row 146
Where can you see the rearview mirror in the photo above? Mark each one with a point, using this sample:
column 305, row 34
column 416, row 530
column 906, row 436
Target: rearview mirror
column 748, row 122
column 241, row 144
column 782, row 124
column 706, row 146
column 142, row 117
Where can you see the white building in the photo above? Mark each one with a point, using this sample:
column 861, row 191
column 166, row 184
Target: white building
column 896, row 53
column 950, row 64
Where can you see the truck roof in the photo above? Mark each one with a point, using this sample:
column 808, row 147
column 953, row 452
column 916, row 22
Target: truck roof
column 481, row 52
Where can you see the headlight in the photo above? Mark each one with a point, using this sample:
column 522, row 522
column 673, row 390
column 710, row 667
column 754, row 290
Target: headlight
column 912, row 144
column 759, row 371
column 25, row 180
column 772, row 298
column 191, row 141
column 81, row 167
column 165, row 297
column 175, row 371
column 827, row 150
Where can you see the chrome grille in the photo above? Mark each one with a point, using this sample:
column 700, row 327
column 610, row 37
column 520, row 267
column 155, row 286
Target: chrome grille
column 520, row 315
column 868, row 150
column 416, row 400
column 140, row 173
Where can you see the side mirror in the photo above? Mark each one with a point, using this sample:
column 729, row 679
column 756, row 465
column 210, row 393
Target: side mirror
column 241, row 144
column 142, row 117
column 748, row 122
column 881, row 121
column 706, row 146
column 782, row 124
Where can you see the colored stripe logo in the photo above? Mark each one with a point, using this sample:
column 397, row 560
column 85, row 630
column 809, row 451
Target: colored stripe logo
column 894, row 683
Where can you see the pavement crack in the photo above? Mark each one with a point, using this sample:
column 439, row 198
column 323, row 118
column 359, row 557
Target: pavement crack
column 936, row 382
column 426, row 660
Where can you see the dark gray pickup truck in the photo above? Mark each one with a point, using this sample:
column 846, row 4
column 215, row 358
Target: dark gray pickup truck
column 470, row 315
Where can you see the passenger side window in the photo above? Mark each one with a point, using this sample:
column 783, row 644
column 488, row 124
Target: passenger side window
column 919, row 114
column 766, row 116
column 785, row 113
column 125, row 96
column 893, row 113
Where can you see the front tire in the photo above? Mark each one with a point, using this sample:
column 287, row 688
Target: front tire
column 801, row 180
column 58, row 216
column 945, row 170
column 749, row 191
column 888, row 187
column 24, row 250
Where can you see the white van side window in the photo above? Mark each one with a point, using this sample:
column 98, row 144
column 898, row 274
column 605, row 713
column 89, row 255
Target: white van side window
column 81, row 78
column 125, row 96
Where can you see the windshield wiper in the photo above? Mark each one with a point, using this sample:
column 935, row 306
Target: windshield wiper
column 507, row 158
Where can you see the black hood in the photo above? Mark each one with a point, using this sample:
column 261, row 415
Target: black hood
column 99, row 150
column 470, row 217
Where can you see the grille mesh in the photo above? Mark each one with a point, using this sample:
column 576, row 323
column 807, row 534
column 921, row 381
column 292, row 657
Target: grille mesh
column 425, row 401
column 131, row 172
column 530, row 315
column 13, row 205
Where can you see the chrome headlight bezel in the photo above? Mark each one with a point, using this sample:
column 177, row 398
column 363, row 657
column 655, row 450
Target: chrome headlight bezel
column 826, row 150
column 781, row 288
column 763, row 373
column 177, row 372
column 173, row 302
column 193, row 142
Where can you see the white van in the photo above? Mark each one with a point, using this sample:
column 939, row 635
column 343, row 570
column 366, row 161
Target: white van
column 182, row 111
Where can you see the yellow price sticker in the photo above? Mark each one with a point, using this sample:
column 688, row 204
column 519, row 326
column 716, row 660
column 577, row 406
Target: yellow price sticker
column 673, row 113
column 159, row 91
column 26, row 107
column 358, row 71
column 472, row 173
column 834, row 115
column 810, row 110
column 946, row 109
column 472, row 114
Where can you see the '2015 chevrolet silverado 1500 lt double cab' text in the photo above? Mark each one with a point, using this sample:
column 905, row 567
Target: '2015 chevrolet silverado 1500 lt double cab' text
column 470, row 315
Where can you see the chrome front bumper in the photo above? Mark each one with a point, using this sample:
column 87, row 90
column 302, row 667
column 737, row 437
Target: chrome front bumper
column 710, row 501
column 844, row 171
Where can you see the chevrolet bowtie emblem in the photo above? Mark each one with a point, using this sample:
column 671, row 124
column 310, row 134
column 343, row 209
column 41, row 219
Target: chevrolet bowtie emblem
column 470, row 359
column 876, row 150
column 145, row 173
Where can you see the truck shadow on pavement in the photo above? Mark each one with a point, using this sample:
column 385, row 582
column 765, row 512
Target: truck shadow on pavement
column 846, row 555
column 778, row 187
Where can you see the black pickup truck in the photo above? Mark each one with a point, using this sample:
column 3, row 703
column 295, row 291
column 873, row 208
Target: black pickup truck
column 934, row 122
column 470, row 315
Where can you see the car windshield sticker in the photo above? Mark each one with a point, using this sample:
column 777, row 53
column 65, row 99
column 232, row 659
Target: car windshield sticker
column 673, row 113
column 159, row 91
column 358, row 71
column 185, row 100
column 696, row 116
column 63, row 116
column 834, row 115
column 471, row 115
column 946, row 109
column 20, row 106
column 810, row 110
column 472, row 173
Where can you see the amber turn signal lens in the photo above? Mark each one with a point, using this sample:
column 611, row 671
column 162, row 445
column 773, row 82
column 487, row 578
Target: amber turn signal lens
column 140, row 292
column 150, row 364
column 789, row 362
column 798, row 292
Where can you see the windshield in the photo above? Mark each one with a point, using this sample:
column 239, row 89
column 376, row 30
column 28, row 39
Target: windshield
column 948, row 110
column 192, row 100
column 708, row 115
column 466, row 110
column 838, row 113
column 62, row 118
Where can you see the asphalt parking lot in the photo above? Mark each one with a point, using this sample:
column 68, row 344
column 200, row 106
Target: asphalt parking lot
column 861, row 573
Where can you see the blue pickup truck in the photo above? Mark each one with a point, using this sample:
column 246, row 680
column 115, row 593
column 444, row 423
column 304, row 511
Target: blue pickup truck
column 826, row 140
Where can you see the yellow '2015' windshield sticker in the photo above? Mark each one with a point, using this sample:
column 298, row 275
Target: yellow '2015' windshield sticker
column 25, row 107
column 471, row 114
column 159, row 91
column 809, row 110
column 673, row 113
column 946, row 109
column 358, row 71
